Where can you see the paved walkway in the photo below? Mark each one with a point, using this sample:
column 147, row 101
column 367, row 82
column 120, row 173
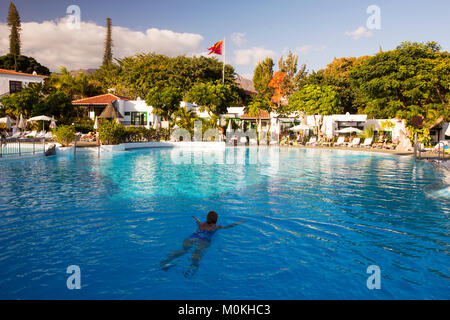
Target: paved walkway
column 426, row 155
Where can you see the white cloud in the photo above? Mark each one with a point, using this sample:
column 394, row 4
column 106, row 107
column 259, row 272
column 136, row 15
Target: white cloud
column 54, row 43
column 359, row 33
column 304, row 49
column 238, row 39
column 252, row 56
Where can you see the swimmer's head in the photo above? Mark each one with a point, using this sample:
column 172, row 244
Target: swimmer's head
column 212, row 217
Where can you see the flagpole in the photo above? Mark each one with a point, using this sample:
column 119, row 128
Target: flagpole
column 223, row 70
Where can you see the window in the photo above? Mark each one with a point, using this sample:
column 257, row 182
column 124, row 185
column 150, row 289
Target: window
column 127, row 113
column 434, row 135
column 138, row 118
column 15, row 86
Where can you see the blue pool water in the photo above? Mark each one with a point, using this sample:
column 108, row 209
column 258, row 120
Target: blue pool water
column 315, row 220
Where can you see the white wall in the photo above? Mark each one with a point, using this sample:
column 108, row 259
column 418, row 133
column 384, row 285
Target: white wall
column 124, row 106
column 331, row 124
column 231, row 112
column 26, row 80
column 398, row 126
column 445, row 125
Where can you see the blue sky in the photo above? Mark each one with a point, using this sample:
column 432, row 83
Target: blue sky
column 317, row 30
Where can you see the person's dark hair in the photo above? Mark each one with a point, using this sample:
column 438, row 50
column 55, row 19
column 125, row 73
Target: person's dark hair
column 212, row 217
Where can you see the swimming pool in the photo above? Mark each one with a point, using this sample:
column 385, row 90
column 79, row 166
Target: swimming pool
column 315, row 221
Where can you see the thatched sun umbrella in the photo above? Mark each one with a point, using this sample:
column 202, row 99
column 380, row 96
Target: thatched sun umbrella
column 110, row 112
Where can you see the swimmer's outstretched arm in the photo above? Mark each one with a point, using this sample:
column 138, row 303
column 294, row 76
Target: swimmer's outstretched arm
column 197, row 220
column 230, row 225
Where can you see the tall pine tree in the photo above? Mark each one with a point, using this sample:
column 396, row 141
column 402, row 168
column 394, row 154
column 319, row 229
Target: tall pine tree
column 14, row 36
column 107, row 57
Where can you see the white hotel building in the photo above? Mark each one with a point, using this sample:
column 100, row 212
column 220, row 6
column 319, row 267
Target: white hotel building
column 12, row 81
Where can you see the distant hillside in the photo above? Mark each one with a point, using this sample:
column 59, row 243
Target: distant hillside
column 85, row 71
column 245, row 84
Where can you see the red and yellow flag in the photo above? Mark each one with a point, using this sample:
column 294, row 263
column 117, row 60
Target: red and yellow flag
column 216, row 48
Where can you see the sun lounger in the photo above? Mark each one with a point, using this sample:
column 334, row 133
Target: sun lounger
column 311, row 141
column 319, row 142
column 441, row 145
column 379, row 144
column 16, row 135
column 31, row 134
column 40, row 135
column 327, row 143
column 422, row 148
column 48, row 136
column 367, row 143
column 340, row 142
column 390, row 146
column 355, row 142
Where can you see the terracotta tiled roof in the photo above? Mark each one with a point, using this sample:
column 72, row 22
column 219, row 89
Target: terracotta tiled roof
column 262, row 115
column 101, row 99
column 6, row 71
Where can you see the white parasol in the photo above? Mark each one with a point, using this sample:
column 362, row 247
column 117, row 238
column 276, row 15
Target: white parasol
column 156, row 122
column 53, row 123
column 229, row 128
column 22, row 124
column 40, row 118
column 349, row 130
column 96, row 123
column 300, row 127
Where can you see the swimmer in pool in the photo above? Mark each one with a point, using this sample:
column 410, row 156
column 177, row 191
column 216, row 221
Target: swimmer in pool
column 202, row 238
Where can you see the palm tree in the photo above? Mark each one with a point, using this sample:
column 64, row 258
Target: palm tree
column 185, row 118
column 81, row 86
column 63, row 82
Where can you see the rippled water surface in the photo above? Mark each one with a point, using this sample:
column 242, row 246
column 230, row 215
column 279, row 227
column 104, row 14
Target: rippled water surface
column 315, row 220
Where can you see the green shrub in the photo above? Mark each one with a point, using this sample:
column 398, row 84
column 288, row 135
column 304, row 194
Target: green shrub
column 114, row 133
column 163, row 134
column 84, row 128
column 111, row 132
column 65, row 135
column 151, row 135
column 139, row 134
